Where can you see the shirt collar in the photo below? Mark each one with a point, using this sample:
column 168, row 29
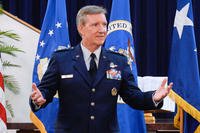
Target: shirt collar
column 87, row 53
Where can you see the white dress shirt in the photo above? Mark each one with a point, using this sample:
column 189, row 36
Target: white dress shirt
column 87, row 58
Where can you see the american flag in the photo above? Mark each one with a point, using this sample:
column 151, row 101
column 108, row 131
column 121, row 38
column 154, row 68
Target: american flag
column 120, row 39
column 3, row 120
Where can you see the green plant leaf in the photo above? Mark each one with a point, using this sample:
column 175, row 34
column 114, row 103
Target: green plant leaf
column 9, row 49
column 9, row 64
column 1, row 10
column 11, row 84
column 9, row 108
column 10, row 35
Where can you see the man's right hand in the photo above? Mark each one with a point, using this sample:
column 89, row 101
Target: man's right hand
column 36, row 96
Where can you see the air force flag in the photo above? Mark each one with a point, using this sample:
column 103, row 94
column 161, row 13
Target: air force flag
column 54, row 35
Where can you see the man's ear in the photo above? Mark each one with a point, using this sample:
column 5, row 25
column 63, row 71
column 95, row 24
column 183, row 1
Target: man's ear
column 80, row 29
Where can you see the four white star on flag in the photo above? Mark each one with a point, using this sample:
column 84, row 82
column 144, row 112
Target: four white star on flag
column 51, row 32
column 37, row 57
column 42, row 43
column 58, row 25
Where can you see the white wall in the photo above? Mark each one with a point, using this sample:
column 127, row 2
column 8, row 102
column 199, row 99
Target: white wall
column 27, row 43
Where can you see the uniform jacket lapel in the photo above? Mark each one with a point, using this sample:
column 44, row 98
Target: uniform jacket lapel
column 102, row 67
column 79, row 64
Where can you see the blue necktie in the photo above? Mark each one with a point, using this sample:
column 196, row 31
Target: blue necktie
column 93, row 66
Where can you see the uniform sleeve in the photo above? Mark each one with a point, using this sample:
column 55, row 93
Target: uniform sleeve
column 132, row 95
column 50, row 81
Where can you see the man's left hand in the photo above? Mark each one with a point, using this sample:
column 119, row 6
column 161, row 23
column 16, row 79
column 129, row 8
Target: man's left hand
column 162, row 91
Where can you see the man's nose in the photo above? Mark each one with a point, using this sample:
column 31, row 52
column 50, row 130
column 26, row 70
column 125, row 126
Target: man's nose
column 102, row 28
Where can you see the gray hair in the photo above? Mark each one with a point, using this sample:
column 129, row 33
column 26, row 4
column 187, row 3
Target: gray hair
column 90, row 9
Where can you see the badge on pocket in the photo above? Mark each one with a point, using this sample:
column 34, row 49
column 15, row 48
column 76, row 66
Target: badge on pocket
column 113, row 74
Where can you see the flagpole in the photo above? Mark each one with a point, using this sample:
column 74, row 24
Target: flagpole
column 181, row 119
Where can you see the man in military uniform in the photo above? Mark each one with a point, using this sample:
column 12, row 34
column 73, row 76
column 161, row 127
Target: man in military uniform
column 89, row 78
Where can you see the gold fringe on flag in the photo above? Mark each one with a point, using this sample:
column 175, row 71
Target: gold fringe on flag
column 186, row 107
column 37, row 122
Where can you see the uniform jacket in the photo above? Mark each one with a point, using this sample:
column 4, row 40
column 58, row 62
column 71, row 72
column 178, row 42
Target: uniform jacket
column 88, row 106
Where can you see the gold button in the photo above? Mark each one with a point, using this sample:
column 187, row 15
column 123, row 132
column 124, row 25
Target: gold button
column 92, row 103
column 92, row 117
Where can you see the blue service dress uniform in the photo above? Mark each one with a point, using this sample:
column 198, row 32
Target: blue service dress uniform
column 87, row 105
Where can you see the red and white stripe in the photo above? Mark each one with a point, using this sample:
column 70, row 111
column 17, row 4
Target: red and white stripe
column 3, row 119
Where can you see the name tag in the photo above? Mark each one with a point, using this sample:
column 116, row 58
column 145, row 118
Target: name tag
column 67, row 76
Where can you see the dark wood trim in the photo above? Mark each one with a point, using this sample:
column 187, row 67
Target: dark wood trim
column 30, row 127
column 160, row 126
column 21, row 126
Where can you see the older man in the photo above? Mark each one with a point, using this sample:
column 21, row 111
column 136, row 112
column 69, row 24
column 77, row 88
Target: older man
column 89, row 78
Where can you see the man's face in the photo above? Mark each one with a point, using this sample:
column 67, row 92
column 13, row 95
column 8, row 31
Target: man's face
column 94, row 30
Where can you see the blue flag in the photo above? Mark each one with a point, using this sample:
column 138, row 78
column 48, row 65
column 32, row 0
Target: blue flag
column 54, row 36
column 184, row 69
column 120, row 40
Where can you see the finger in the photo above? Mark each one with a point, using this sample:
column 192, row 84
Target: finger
column 170, row 86
column 40, row 101
column 33, row 94
column 34, row 87
column 164, row 82
column 36, row 97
